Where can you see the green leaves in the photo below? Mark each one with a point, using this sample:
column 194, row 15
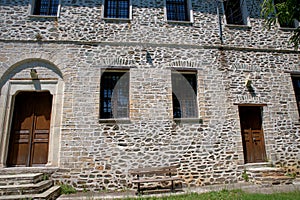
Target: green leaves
column 285, row 12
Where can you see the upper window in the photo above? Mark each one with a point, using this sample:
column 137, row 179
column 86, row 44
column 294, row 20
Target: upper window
column 296, row 84
column 178, row 10
column 184, row 94
column 45, row 7
column 282, row 11
column 114, row 95
column 117, row 9
column 234, row 12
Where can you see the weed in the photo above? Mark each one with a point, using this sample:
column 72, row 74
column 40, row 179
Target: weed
column 245, row 176
column 292, row 175
column 84, row 190
column 45, row 177
column 67, row 189
column 38, row 37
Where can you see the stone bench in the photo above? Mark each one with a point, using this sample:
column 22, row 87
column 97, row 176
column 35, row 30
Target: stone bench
column 155, row 174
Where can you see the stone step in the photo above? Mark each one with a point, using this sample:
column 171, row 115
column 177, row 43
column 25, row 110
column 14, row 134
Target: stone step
column 296, row 181
column 52, row 193
column 268, row 176
column 25, row 170
column 20, row 179
column 32, row 188
column 275, row 180
column 264, row 169
column 258, row 165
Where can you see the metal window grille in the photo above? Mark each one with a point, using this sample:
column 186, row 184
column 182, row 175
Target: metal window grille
column 114, row 95
column 46, row 7
column 116, row 9
column 184, row 88
column 296, row 84
column 177, row 10
column 233, row 12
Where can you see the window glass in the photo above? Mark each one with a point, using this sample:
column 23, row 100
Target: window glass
column 116, row 9
column 233, row 12
column 46, row 7
column 177, row 10
column 184, row 95
column 114, row 95
column 296, row 84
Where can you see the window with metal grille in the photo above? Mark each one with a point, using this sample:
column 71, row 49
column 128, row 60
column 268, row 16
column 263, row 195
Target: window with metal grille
column 114, row 95
column 184, row 94
column 177, row 10
column 296, row 84
column 46, row 7
column 116, row 9
column 233, row 12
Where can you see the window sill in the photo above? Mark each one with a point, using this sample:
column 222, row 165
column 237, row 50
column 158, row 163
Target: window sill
column 116, row 19
column 237, row 26
column 115, row 121
column 43, row 16
column 188, row 120
column 287, row 28
column 179, row 22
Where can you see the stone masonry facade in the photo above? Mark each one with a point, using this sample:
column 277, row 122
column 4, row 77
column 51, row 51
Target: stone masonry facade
column 75, row 48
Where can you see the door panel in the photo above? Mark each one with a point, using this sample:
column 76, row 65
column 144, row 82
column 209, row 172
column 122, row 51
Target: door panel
column 20, row 148
column 40, row 137
column 30, row 129
column 21, row 129
column 252, row 134
column 259, row 146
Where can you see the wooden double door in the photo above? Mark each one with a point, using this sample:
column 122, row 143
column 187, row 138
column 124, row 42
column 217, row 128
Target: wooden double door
column 29, row 137
column 252, row 134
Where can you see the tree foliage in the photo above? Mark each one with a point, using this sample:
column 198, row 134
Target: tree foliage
column 285, row 12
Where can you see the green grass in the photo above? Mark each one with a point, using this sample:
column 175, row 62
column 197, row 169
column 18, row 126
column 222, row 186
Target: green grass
column 228, row 195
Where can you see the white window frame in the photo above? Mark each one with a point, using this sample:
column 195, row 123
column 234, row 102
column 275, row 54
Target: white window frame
column 31, row 10
column 117, row 19
column 190, row 13
column 245, row 14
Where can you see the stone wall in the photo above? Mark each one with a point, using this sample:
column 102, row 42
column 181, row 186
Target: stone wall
column 97, row 155
column 82, row 21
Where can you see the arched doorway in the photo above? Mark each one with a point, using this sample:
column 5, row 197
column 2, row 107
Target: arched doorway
column 30, row 129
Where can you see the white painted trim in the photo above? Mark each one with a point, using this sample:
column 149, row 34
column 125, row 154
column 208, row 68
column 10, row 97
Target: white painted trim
column 8, row 92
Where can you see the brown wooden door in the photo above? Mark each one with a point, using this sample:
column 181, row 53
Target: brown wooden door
column 252, row 134
column 30, row 129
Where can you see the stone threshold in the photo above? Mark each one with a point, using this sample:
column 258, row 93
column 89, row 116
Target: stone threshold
column 14, row 170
